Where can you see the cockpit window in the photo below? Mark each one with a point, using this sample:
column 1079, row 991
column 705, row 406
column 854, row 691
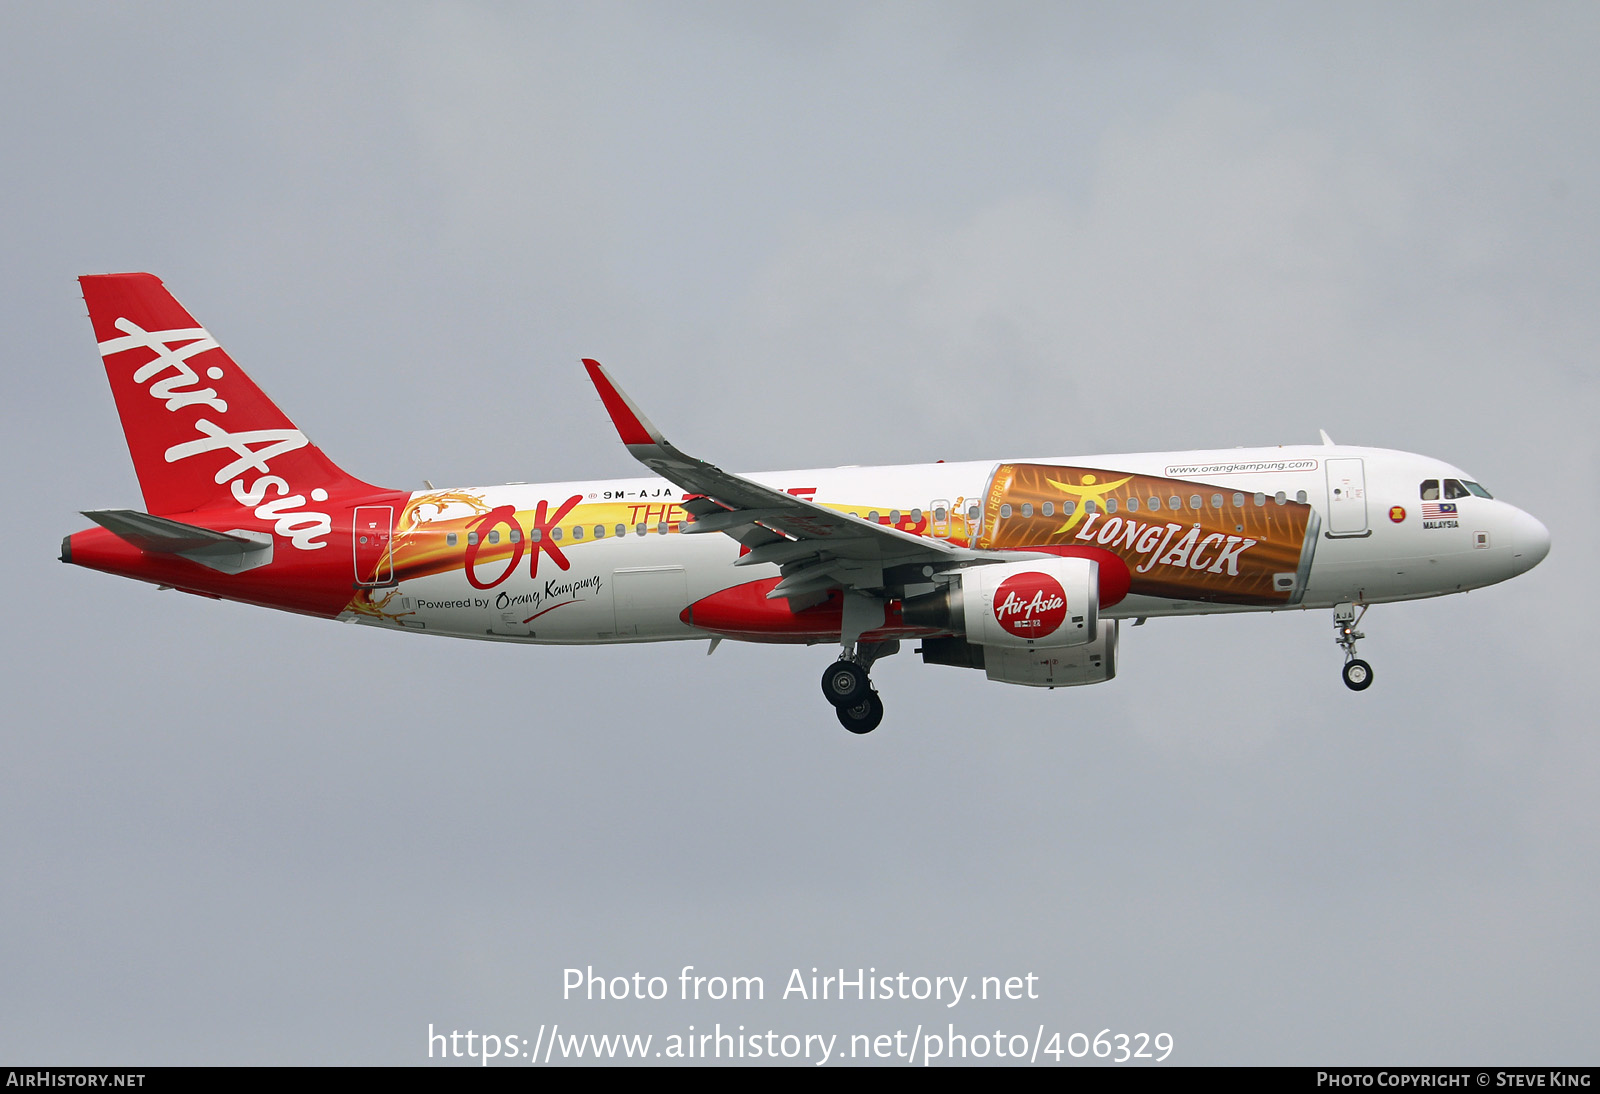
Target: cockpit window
column 1476, row 489
column 1430, row 489
column 1453, row 490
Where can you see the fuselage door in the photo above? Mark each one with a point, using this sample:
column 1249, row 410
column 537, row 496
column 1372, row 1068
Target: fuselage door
column 371, row 533
column 1347, row 497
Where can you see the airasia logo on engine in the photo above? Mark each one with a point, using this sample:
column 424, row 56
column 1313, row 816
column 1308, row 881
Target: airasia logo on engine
column 1030, row 605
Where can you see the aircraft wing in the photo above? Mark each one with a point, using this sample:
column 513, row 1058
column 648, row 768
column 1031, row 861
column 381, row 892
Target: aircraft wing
column 817, row 548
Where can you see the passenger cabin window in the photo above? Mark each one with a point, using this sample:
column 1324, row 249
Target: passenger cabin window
column 1049, row 508
column 1453, row 490
column 494, row 536
column 450, row 539
column 1005, row 510
column 1133, row 505
column 1430, row 489
column 1300, row 496
column 1027, row 509
column 1111, row 505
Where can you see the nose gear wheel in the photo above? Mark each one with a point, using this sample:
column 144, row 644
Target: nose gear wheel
column 1357, row 673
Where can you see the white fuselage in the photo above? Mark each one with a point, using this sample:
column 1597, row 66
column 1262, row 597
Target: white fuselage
column 633, row 580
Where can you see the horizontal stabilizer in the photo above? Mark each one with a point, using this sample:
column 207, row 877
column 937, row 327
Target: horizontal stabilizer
column 230, row 552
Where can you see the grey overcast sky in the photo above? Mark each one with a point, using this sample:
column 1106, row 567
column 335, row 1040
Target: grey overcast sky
column 802, row 235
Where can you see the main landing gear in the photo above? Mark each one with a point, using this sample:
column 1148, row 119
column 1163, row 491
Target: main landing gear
column 1357, row 673
column 848, row 687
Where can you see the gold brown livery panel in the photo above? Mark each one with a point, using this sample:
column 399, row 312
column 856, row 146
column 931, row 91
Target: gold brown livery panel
column 1180, row 539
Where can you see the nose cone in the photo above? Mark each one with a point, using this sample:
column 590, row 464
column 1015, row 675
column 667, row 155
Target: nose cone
column 1530, row 541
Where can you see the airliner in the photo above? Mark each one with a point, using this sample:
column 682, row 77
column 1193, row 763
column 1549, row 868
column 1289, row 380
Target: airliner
column 1022, row 568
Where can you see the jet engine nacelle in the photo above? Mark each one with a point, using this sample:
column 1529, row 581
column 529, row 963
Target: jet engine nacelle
column 1035, row 623
column 1044, row 604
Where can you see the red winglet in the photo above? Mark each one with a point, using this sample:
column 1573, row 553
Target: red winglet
column 632, row 426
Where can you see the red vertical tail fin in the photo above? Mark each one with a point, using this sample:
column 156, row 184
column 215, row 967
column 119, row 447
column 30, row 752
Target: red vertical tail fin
column 200, row 432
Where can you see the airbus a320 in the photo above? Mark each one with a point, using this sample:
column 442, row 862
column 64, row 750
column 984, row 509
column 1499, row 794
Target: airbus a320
column 1021, row 568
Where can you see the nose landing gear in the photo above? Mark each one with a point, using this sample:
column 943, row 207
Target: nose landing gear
column 1357, row 673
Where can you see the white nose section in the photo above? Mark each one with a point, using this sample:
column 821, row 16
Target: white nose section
column 1530, row 541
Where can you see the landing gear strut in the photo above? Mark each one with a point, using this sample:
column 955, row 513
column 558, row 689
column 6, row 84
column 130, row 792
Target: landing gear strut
column 848, row 687
column 1357, row 673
